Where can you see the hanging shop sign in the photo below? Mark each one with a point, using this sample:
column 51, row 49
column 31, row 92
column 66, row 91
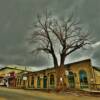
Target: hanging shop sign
column 24, row 78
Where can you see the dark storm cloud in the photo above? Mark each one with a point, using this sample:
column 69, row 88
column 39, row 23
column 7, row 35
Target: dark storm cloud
column 17, row 16
column 89, row 13
column 15, row 19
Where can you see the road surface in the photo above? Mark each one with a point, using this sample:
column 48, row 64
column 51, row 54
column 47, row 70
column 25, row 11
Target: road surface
column 17, row 94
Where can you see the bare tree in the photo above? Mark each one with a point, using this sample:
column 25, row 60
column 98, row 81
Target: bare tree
column 55, row 36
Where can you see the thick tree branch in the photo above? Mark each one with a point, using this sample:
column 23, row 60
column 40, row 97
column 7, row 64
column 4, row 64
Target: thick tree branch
column 69, row 34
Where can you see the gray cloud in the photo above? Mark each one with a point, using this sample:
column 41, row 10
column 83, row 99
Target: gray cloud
column 17, row 16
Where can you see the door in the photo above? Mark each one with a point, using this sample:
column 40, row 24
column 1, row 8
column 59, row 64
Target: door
column 45, row 82
column 38, row 82
column 83, row 79
column 32, row 82
column 71, row 80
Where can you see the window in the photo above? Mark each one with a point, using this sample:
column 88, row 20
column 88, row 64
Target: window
column 83, row 79
column 52, row 80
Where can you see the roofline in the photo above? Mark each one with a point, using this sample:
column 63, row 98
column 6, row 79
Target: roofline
column 49, row 68
column 64, row 65
column 88, row 60
column 96, row 68
column 11, row 68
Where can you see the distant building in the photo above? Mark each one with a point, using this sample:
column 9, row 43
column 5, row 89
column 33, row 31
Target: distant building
column 8, row 74
column 20, row 67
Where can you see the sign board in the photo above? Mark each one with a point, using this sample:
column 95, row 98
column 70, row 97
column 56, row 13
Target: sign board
column 24, row 78
column 67, row 73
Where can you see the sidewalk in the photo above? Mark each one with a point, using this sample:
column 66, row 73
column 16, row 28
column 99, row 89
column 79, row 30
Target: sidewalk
column 92, row 92
column 83, row 92
column 88, row 90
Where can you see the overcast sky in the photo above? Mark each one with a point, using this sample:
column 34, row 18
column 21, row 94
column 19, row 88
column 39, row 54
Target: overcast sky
column 17, row 16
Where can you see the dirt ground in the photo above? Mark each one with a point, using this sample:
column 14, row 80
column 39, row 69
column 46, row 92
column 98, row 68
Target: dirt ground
column 38, row 95
column 2, row 98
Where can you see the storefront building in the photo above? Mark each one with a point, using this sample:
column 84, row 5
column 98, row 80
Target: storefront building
column 77, row 75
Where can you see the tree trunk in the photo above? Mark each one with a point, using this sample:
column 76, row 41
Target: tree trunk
column 60, row 74
column 55, row 62
column 62, row 59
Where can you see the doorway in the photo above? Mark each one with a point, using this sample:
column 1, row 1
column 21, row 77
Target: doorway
column 83, row 79
column 71, row 80
column 45, row 82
